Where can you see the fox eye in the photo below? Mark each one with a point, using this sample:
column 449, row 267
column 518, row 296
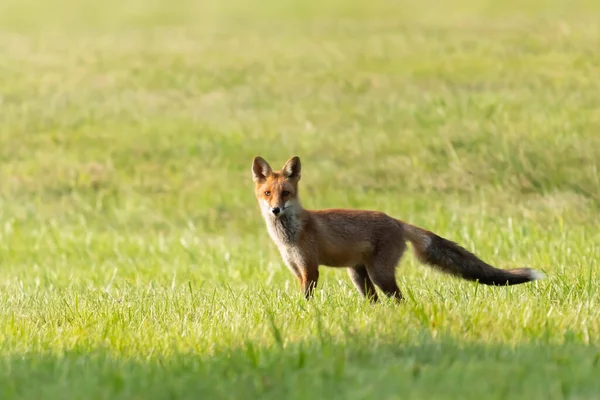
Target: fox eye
column 285, row 193
column 267, row 193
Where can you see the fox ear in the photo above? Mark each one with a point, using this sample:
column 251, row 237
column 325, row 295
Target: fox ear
column 292, row 168
column 260, row 169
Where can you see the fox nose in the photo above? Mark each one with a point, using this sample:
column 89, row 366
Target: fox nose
column 275, row 210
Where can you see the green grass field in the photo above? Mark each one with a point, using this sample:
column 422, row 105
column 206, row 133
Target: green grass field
column 134, row 263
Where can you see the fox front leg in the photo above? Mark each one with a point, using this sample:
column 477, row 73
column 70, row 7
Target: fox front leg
column 309, row 279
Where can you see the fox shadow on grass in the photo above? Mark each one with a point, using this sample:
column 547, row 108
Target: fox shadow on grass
column 323, row 369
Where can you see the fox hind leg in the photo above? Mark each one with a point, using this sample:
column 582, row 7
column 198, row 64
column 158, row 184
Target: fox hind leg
column 360, row 277
column 382, row 269
column 386, row 282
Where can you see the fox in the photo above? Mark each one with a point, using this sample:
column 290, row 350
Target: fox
column 370, row 244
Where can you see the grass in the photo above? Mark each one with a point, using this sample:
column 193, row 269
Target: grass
column 134, row 263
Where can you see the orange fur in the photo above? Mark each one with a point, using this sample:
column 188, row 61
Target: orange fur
column 369, row 243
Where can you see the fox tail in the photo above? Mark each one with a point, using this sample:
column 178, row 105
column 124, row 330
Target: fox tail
column 453, row 259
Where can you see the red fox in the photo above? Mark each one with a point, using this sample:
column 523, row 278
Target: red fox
column 368, row 243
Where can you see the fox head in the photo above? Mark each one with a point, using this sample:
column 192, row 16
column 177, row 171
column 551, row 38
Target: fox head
column 276, row 191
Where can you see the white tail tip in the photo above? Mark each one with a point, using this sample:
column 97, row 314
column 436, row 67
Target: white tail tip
column 537, row 275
